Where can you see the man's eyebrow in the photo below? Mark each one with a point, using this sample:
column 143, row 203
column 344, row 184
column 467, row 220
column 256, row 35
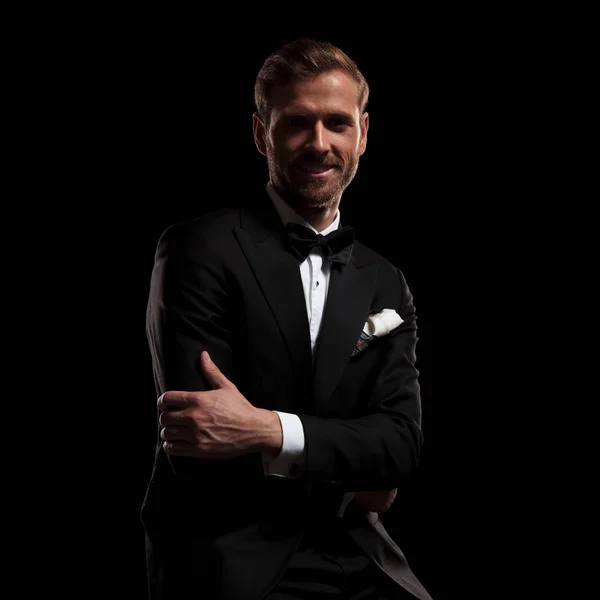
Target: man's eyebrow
column 295, row 112
column 341, row 115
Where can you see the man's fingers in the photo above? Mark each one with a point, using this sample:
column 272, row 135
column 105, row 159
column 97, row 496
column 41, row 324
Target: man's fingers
column 175, row 434
column 378, row 501
column 174, row 400
column 213, row 373
column 178, row 448
column 173, row 418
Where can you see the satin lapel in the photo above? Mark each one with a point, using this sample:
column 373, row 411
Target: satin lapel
column 351, row 290
column 278, row 275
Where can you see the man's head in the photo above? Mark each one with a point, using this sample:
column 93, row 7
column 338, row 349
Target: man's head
column 310, row 122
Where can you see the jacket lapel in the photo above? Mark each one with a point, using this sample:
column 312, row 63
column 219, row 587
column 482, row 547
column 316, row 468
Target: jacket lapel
column 278, row 275
column 351, row 290
column 349, row 297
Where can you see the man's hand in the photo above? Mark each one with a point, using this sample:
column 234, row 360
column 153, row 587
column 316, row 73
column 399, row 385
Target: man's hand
column 219, row 423
column 378, row 501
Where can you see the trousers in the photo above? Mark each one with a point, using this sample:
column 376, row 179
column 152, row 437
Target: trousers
column 330, row 564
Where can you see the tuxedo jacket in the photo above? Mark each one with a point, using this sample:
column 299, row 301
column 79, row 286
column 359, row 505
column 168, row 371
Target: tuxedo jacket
column 228, row 283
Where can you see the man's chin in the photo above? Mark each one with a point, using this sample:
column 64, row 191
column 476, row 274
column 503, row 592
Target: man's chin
column 314, row 194
column 311, row 198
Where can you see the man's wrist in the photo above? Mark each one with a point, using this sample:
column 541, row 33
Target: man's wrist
column 269, row 433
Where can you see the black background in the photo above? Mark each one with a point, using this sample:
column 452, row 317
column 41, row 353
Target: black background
column 188, row 148
column 183, row 146
column 160, row 130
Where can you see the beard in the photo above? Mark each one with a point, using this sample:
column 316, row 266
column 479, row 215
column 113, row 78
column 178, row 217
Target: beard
column 304, row 192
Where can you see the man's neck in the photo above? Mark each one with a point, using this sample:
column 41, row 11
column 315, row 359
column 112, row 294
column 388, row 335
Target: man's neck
column 320, row 218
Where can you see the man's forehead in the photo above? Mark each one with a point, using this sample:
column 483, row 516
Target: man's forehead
column 329, row 109
column 326, row 93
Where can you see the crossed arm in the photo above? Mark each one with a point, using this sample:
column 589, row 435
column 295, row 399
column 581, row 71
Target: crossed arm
column 222, row 423
column 187, row 314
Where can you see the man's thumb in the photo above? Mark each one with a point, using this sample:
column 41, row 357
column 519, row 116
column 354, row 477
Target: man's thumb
column 212, row 372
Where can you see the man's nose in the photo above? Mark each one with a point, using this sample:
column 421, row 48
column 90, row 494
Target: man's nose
column 319, row 138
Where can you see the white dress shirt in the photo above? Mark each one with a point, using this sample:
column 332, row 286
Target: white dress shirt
column 315, row 272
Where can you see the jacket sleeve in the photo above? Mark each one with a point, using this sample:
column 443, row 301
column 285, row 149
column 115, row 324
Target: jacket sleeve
column 187, row 312
column 380, row 449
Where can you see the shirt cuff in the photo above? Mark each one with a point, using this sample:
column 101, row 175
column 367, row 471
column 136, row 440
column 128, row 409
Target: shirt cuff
column 290, row 461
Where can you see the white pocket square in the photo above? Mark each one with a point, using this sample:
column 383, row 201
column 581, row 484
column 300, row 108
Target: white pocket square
column 377, row 325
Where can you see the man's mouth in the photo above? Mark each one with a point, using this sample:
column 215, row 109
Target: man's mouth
column 313, row 169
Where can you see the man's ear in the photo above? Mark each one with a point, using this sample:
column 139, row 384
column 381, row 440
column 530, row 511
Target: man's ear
column 259, row 131
column 364, row 128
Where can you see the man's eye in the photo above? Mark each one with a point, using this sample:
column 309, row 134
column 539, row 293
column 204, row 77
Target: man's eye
column 338, row 123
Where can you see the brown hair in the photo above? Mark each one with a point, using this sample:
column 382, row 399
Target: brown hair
column 302, row 59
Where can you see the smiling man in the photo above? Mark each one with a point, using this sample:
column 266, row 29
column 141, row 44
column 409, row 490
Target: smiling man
column 289, row 409
column 313, row 132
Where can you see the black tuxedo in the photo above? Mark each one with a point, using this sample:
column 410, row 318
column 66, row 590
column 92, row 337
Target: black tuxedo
column 228, row 284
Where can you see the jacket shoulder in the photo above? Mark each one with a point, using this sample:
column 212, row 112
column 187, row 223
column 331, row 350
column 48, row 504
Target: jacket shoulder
column 366, row 254
column 209, row 230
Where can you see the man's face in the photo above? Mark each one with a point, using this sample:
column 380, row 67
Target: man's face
column 314, row 140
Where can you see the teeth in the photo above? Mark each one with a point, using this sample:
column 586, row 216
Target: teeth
column 313, row 169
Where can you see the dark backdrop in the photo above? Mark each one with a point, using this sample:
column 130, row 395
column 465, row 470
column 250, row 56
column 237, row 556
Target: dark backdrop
column 129, row 119
column 170, row 133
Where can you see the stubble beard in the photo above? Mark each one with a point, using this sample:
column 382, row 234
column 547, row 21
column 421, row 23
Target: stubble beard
column 314, row 196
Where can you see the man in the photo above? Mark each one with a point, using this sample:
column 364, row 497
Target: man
column 289, row 402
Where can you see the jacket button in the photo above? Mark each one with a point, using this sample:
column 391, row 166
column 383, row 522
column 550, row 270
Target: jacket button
column 294, row 470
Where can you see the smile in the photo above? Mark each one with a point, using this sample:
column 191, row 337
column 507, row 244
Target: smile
column 314, row 171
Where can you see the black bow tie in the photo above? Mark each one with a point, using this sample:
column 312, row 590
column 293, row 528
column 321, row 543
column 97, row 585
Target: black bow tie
column 336, row 245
